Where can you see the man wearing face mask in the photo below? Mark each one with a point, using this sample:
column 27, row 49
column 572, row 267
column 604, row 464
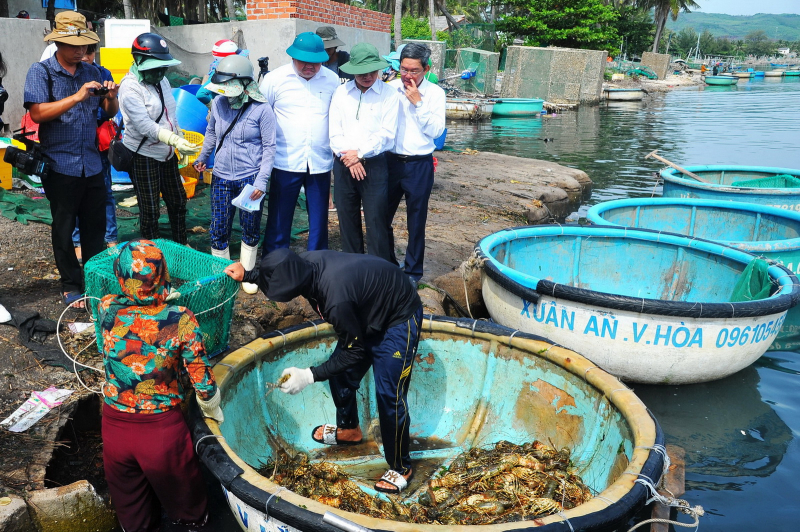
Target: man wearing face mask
column 153, row 134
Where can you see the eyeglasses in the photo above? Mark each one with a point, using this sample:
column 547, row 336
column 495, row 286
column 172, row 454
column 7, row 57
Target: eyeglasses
column 412, row 72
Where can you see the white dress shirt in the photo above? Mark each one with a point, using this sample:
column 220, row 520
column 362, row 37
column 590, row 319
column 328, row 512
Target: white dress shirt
column 366, row 121
column 301, row 115
column 417, row 127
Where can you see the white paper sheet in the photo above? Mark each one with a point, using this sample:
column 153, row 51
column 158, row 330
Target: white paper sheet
column 244, row 202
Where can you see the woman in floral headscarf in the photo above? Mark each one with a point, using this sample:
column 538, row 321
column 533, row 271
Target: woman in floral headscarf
column 147, row 450
column 242, row 130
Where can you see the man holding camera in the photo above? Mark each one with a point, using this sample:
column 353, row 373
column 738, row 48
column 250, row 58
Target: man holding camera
column 62, row 94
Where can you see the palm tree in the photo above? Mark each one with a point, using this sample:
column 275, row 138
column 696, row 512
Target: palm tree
column 398, row 17
column 663, row 9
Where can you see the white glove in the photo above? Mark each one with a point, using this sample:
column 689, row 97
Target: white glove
column 183, row 146
column 211, row 407
column 298, row 380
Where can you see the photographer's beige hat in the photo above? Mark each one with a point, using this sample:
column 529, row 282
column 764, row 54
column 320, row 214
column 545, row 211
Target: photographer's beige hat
column 71, row 29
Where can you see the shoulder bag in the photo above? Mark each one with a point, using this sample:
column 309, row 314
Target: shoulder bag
column 120, row 157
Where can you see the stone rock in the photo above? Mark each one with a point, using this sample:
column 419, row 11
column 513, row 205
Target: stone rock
column 453, row 284
column 14, row 516
column 73, row 508
column 431, row 301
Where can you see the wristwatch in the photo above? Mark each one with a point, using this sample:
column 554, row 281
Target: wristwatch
column 418, row 104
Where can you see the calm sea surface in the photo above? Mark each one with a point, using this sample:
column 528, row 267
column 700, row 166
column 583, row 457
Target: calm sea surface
column 741, row 434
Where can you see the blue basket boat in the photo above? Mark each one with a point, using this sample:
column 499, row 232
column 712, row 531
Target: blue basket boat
column 646, row 306
column 736, row 183
column 474, row 383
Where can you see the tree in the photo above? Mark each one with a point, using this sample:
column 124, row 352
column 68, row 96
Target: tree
column 398, row 17
column 664, row 9
column 685, row 40
column 757, row 43
column 567, row 23
column 635, row 28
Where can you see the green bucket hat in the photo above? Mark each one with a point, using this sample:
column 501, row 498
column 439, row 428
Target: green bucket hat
column 309, row 48
column 364, row 58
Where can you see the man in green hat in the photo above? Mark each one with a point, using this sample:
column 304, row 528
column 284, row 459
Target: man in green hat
column 363, row 123
column 300, row 95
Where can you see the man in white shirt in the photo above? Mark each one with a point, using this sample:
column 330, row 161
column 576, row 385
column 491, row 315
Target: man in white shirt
column 363, row 123
column 300, row 95
column 420, row 121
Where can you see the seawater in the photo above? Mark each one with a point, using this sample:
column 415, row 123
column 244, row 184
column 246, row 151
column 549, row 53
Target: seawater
column 741, row 434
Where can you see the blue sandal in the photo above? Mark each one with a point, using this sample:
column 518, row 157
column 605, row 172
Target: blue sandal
column 72, row 297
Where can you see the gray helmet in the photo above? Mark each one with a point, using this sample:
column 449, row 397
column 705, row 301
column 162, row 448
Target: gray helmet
column 233, row 67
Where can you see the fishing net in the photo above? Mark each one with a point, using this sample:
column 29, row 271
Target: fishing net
column 778, row 181
column 753, row 283
column 198, row 277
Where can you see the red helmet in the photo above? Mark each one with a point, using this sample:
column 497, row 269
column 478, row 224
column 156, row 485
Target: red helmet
column 224, row 48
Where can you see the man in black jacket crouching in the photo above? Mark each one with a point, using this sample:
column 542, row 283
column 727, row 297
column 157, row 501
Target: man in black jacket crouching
column 377, row 316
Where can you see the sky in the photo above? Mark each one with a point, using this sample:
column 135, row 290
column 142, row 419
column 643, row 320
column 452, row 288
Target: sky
column 749, row 7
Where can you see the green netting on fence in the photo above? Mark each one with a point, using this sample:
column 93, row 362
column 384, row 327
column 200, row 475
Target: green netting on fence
column 778, row 181
column 753, row 283
column 198, row 277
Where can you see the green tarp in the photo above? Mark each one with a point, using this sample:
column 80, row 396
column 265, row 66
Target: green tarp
column 753, row 283
column 23, row 209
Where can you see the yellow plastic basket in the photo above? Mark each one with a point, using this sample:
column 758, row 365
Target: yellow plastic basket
column 195, row 138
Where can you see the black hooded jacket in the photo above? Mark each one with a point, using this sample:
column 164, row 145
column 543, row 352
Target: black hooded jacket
column 360, row 295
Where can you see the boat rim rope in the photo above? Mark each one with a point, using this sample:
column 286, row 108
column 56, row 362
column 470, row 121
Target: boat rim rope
column 197, row 443
column 266, row 505
column 670, row 501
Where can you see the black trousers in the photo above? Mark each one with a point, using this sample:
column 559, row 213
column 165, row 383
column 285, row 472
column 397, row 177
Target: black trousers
column 414, row 180
column 373, row 192
column 71, row 197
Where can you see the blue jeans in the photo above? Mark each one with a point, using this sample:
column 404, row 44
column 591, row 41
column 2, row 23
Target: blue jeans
column 223, row 191
column 111, row 210
column 284, row 189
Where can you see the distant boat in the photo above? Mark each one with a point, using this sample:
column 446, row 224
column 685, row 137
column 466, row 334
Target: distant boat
column 468, row 109
column 646, row 306
column 759, row 74
column 624, row 95
column 517, row 107
column 791, row 73
column 721, row 80
column 754, row 184
column 777, row 65
column 744, row 75
column 774, row 73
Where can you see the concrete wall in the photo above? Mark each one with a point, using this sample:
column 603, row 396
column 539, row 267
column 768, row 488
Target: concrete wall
column 192, row 44
column 438, row 49
column 658, row 62
column 21, row 45
column 486, row 75
column 33, row 7
column 558, row 75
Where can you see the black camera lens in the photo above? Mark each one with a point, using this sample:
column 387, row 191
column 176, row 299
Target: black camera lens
column 102, row 91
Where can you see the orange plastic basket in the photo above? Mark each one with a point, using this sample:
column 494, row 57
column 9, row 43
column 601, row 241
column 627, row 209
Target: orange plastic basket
column 189, row 183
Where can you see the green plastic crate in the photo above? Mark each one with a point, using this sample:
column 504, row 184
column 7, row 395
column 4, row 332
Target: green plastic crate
column 199, row 277
column 778, row 181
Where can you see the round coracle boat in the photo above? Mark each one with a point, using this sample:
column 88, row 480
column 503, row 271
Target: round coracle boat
column 646, row 306
column 475, row 385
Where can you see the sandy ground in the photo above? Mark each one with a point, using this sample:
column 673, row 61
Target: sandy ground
column 475, row 194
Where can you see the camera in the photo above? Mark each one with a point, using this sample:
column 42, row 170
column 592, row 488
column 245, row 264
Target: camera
column 263, row 65
column 30, row 161
column 102, row 91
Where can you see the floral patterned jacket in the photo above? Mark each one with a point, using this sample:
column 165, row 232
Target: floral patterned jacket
column 146, row 342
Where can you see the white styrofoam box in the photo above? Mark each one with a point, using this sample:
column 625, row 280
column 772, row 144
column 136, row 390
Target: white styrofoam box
column 120, row 33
